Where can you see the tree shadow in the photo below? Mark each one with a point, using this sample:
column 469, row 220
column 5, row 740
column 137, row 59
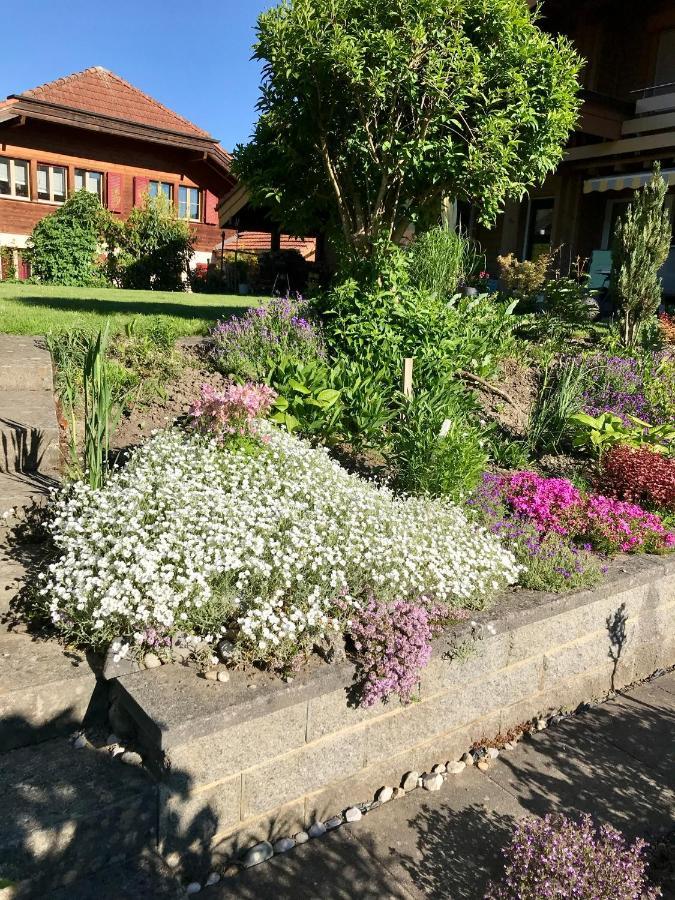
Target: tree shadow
column 103, row 307
column 22, row 448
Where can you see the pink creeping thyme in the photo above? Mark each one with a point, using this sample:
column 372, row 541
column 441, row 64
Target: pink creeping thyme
column 231, row 412
column 542, row 501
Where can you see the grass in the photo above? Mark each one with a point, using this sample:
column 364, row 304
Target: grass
column 44, row 309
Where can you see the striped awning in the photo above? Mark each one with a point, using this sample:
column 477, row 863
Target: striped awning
column 630, row 181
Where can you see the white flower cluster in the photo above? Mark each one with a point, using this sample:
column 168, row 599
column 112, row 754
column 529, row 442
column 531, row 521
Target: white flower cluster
column 190, row 538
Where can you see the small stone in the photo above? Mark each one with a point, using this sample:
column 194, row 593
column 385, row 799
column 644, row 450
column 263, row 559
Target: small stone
column 258, row 854
column 223, row 676
column 118, row 750
column 251, row 687
column 353, row 814
column 152, row 661
column 384, row 794
column 112, row 739
column 432, row 782
column 181, row 654
column 454, row 768
column 172, row 859
column 80, row 742
column 409, row 781
column 193, row 888
column 283, row 845
column 541, row 724
column 231, row 871
column 483, row 765
column 376, row 804
column 398, row 793
column 510, row 745
column 333, row 822
column 420, row 781
column 318, row 829
column 492, row 753
column 226, row 650
column 301, row 837
column 211, row 675
column 213, row 878
column 439, row 769
column 468, row 759
column 131, row 758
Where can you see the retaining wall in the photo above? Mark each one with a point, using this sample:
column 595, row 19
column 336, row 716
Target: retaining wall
column 258, row 759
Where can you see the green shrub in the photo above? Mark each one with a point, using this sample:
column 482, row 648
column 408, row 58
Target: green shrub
column 65, row 246
column 441, row 260
column 558, row 397
column 600, row 433
column 307, row 402
column 367, row 400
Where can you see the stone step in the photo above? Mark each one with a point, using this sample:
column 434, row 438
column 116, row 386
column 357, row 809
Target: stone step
column 67, row 813
column 19, row 491
column 16, row 564
column 25, row 364
column 29, row 432
column 45, row 690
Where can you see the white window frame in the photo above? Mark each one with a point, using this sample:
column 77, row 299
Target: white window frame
column 187, row 216
column 12, row 180
column 85, row 178
column 50, row 183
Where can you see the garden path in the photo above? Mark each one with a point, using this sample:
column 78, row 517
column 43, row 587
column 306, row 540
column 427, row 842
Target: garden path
column 616, row 761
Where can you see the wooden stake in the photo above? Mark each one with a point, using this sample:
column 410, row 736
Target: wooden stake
column 408, row 377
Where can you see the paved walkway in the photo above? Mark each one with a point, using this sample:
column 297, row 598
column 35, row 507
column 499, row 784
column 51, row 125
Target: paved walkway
column 616, row 761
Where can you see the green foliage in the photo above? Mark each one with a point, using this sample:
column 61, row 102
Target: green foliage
column 569, row 300
column 556, row 566
column 64, row 246
column 441, row 260
column 367, row 398
column 151, row 249
column 603, row 432
column 99, row 410
column 641, row 246
column 558, row 397
column 307, row 403
column 435, row 449
column 373, row 111
column 659, row 385
column 7, row 264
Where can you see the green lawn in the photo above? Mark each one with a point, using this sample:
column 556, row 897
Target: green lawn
column 40, row 309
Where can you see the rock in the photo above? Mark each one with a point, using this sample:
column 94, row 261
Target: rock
column 376, row 804
column 541, row 724
column 193, row 888
column 231, row 871
column 468, row 759
column 112, row 739
column 213, row 878
column 492, row 753
column 80, row 742
column 152, row 661
column 432, row 782
column 211, row 675
column 333, row 822
column 223, row 676
column 301, row 837
column 510, row 745
column 483, row 765
column 409, row 781
column 454, row 768
column 131, row 758
column 384, row 794
column 439, row 769
column 172, row 860
column 283, row 845
column 398, row 793
column 318, row 829
column 260, row 853
column 226, row 650
column 420, row 781
column 353, row 814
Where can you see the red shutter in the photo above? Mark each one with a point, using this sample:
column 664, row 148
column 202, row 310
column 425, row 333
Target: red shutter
column 141, row 185
column 210, row 212
column 114, row 192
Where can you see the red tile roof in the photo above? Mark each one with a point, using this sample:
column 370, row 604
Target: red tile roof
column 101, row 92
column 260, row 241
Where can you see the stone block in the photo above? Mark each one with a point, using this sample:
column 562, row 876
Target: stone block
column 192, row 820
column 285, row 821
column 302, row 771
column 443, row 673
column 334, row 711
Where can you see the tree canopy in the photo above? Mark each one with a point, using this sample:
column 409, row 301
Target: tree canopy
column 371, row 111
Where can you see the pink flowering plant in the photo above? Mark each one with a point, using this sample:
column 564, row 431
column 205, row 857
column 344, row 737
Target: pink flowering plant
column 556, row 858
column 232, row 413
column 393, row 643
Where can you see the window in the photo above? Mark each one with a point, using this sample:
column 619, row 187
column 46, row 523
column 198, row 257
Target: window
column 540, row 226
column 160, row 187
column 14, row 180
column 189, row 206
column 89, row 181
column 51, row 183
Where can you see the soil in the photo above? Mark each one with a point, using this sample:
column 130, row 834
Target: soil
column 519, row 383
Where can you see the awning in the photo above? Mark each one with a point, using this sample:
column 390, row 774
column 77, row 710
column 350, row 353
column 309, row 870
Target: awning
column 630, row 181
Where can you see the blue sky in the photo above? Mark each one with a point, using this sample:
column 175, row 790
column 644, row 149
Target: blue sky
column 193, row 56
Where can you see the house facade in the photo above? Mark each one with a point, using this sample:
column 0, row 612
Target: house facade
column 627, row 123
column 94, row 131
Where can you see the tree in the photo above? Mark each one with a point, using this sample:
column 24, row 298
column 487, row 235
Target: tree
column 640, row 248
column 152, row 249
column 372, row 111
column 65, row 246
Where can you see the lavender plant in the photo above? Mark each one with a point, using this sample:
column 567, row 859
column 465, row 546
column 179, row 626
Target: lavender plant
column 556, row 858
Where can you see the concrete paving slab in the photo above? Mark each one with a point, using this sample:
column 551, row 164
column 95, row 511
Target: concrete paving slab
column 25, row 363
column 145, row 877
column 666, row 682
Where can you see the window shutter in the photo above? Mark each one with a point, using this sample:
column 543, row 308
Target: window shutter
column 141, row 185
column 210, row 211
column 114, row 193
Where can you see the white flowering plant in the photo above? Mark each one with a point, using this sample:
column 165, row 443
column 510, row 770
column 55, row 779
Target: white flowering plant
column 273, row 546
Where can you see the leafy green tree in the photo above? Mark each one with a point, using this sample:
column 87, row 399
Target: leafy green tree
column 151, row 249
column 371, row 111
column 65, row 246
column 640, row 248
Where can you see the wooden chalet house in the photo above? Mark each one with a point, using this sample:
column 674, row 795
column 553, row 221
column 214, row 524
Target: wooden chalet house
column 94, row 131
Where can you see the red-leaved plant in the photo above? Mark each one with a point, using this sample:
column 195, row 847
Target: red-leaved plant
column 639, row 475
